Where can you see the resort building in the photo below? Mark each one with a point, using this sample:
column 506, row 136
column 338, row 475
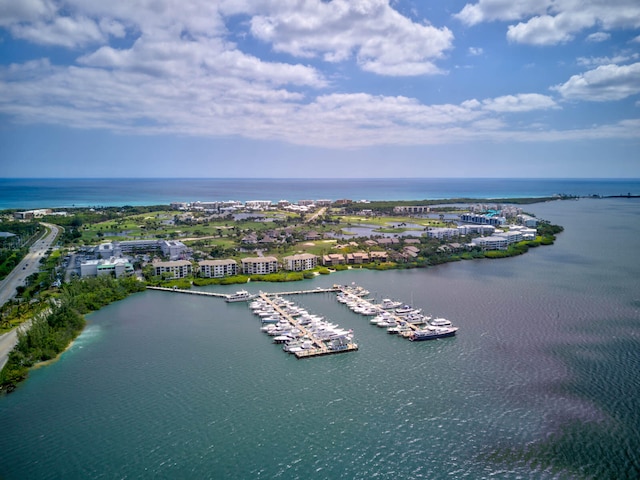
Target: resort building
column 442, row 233
column 476, row 229
column 113, row 266
column 527, row 221
column 218, row 268
column 379, row 256
column 300, row 262
column 411, row 251
column 176, row 269
column 257, row 204
column 171, row 248
column 388, row 241
column 357, row 258
column 499, row 241
column 488, row 219
column 333, row 259
column 416, row 209
column 29, row 214
column 259, row 265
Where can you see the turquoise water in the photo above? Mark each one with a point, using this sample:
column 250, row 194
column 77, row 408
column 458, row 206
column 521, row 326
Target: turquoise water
column 81, row 192
column 541, row 381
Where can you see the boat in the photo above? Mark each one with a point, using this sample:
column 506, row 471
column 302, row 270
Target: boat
column 240, row 296
column 440, row 322
column 388, row 304
column 432, row 333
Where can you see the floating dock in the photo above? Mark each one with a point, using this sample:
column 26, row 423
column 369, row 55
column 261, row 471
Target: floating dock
column 320, row 346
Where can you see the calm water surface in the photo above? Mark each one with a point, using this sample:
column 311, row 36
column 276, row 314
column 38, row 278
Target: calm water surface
column 541, row 381
column 82, row 192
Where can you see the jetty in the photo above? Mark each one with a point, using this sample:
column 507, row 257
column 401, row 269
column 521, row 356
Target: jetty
column 333, row 289
column 189, row 292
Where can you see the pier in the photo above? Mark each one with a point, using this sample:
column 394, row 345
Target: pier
column 190, row 292
column 354, row 294
column 405, row 323
column 225, row 295
column 320, row 347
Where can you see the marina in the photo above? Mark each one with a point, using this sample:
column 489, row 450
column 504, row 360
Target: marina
column 302, row 334
column 396, row 317
column 306, row 335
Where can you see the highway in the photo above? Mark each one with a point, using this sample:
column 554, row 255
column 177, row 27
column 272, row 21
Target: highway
column 29, row 264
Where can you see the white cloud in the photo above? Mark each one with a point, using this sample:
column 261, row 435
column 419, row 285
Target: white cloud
column 13, row 12
column 64, row 31
column 548, row 22
column 596, row 61
column 113, row 94
column 382, row 40
column 179, row 72
column 549, row 30
column 598, row 37
column 524, row 102
column 505, row 10
column 605, row 83
column 475, row 51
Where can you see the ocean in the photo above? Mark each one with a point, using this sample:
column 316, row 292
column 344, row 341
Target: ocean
column 66, row 193
column 541, row 381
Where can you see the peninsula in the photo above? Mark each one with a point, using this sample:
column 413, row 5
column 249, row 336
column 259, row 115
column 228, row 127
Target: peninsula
column 94, row 255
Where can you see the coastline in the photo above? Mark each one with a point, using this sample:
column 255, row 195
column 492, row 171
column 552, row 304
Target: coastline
column 28, row 193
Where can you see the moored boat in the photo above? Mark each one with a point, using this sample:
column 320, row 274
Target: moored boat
column 432, row 333
column 240, row 296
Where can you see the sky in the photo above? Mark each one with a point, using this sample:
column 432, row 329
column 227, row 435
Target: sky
column 311, row 88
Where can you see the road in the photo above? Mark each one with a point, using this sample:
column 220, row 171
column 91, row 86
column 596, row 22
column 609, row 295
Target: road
column 316, row 215
column 29, row 264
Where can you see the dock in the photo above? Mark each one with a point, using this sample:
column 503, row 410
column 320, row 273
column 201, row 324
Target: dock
column 190, row 292
column 225, row 295
column 348, row 292
column 320, row 347
column 302, row 292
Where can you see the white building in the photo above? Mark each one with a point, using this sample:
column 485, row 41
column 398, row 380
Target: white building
column 528, row 221
column 173, row 249
column 259, row 265
column 177, row 269
column 302, row 261
column 258, row 204
column 482, row 219
column 113, row 266
column 441, row 232
column 218, row 268
column 476, row 229
column 499, row 241
column 412, row 209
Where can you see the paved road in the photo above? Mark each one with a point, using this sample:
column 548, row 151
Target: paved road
column 29, row 264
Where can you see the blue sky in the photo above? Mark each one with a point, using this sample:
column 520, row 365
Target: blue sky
column 283, row 88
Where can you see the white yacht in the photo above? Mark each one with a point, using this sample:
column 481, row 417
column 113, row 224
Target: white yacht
column 240, row 296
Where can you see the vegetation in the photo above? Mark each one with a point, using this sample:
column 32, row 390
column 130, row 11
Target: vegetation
column 14, row 248
column 51, row 332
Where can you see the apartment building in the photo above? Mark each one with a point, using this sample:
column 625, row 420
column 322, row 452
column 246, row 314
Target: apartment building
column 177, row 268
column 218, row 268
column 300, row 262
column 259, row 265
